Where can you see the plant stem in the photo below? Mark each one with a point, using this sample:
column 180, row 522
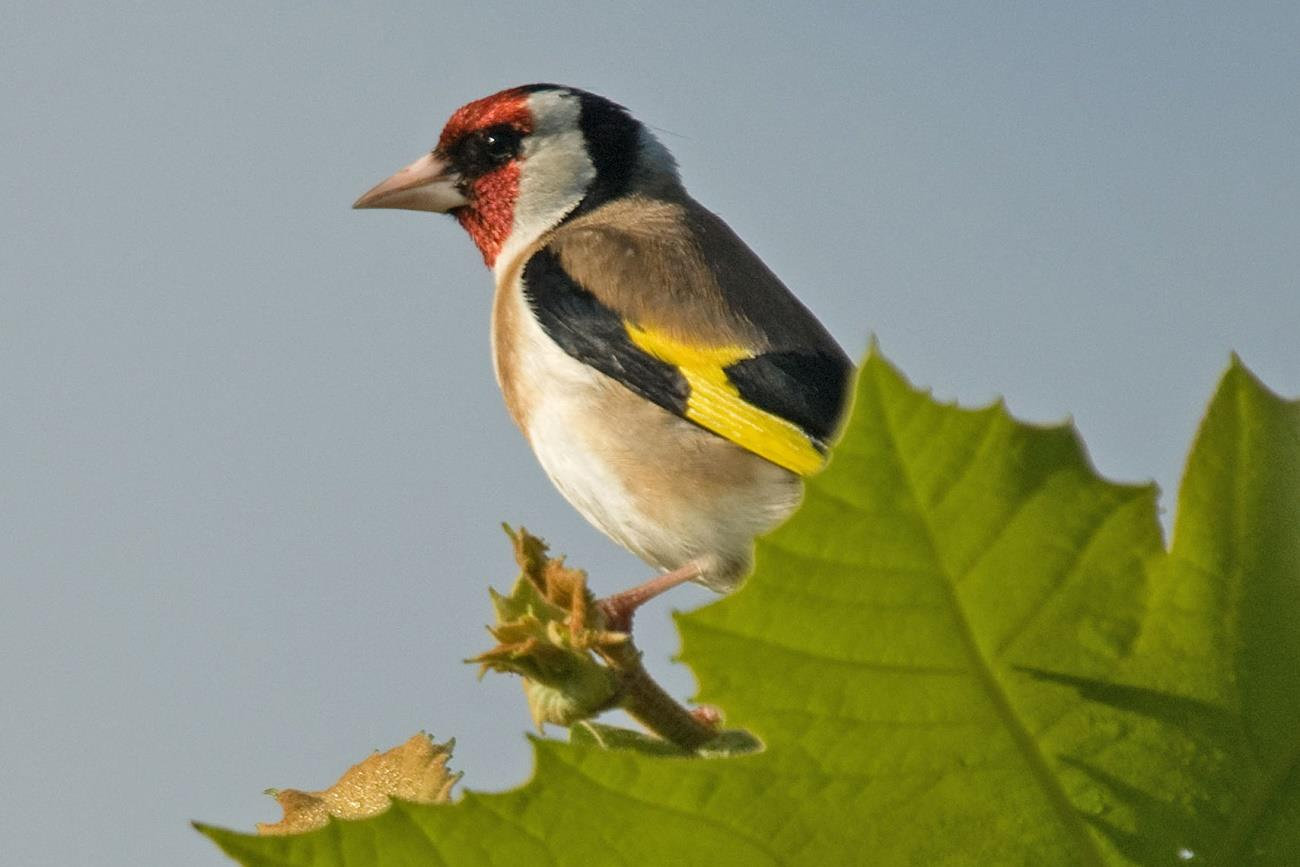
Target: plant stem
column 648, row 703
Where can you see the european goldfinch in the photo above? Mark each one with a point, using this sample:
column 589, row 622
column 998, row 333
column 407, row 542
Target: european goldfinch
column 670, row 385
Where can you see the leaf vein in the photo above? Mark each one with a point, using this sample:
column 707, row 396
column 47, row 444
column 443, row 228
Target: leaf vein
column 1038, row 765
column 822, row 658
column 690, row 817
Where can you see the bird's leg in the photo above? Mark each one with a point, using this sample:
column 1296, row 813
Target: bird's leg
column 619, row 608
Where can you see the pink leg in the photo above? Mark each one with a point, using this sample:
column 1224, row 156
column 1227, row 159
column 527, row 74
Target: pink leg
column 619, row 608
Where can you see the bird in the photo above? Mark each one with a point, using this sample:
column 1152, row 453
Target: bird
column 672, row 388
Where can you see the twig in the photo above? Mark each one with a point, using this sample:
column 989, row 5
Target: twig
column 648, row 703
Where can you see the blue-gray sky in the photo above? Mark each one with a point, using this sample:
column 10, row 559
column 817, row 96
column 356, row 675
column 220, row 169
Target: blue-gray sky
column 252, row 457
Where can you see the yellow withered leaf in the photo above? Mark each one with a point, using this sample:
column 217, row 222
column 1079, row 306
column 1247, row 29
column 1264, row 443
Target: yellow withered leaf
column 414, row 771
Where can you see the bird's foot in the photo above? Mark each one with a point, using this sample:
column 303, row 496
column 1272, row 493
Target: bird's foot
column 619, row 608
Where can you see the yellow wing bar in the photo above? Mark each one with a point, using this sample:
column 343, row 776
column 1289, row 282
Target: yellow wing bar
column 714, row 402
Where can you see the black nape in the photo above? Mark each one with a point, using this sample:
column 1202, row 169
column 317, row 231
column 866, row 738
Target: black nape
column 613, row 138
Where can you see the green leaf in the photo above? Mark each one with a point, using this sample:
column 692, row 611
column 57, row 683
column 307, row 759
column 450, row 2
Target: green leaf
column 727, row 743
column 609, row 737
column 965, row 648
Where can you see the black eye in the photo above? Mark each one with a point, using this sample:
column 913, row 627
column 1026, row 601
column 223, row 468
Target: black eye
column 484, row 150
column 500, row 144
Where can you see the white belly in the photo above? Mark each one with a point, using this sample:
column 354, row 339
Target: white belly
column 596, row 489
column 563, row 397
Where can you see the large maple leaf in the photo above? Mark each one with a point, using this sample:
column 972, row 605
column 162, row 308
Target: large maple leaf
column 965, row 648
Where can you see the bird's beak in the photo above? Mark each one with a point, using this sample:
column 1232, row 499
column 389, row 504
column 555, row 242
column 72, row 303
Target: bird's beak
column 428, row 184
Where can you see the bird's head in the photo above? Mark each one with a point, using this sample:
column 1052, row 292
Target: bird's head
column 513, row 165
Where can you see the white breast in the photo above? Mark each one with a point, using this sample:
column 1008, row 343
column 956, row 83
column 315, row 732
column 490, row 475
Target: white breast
column 563, row 397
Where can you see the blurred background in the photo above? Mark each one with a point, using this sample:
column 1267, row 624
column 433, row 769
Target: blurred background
column 252, row 457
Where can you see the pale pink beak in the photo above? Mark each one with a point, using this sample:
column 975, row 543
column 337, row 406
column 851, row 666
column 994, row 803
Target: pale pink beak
column 428, row 184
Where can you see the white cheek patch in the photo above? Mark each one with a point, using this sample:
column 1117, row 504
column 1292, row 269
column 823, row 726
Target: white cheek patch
column 555, row 171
